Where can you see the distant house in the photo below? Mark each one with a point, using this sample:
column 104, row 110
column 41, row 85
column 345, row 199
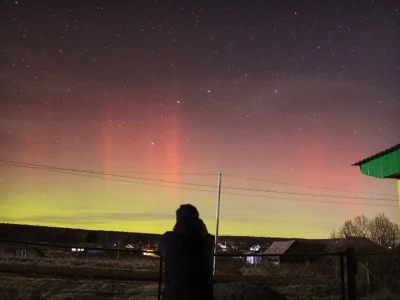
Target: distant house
column 222, row 246
column 255, row 248
column 252, row 259
column 249, row 258
column 87, row 248
column 293, row 251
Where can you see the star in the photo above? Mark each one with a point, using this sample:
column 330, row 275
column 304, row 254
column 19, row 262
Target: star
column 253, row 91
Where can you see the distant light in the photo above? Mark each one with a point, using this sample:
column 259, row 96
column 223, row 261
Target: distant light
column 178, row 102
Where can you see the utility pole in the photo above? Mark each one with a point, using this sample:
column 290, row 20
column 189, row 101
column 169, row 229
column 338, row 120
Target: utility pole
column 217, row 218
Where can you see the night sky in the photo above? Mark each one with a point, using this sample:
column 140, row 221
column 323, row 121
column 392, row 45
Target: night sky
column 162, row 93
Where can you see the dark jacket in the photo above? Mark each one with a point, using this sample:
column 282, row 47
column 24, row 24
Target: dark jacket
column 187, row 253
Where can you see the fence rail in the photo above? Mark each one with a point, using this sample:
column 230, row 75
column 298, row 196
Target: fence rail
column 347, row 273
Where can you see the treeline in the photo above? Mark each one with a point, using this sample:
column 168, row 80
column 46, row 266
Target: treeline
column 108, row 238
column 73, row 236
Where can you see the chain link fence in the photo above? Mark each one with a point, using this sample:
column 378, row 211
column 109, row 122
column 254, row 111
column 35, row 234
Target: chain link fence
column 287, row 276
column 378, row 276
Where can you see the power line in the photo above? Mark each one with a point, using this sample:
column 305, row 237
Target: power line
column 306, row 186
column 6, row 163
column 109, row 174
column 252, row 190
column 159, row 173
column 35, row 166
column 308, row 200
column 309, row 194
column 194, row 189
column 209, row 191
column 109, row 178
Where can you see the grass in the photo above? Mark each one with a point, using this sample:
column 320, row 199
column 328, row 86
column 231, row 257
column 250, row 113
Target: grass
column 136, row 263
column 25, row 288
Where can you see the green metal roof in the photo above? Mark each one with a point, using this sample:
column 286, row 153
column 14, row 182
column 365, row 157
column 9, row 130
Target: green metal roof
column 385, row 164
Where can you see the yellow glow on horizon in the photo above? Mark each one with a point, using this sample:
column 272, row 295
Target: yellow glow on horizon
column 161, row 227
column 82, row 202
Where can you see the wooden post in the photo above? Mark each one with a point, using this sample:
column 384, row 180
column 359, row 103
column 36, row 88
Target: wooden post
column 160, row 278
column 351, row 274
column 368, row 276
column 342, row 278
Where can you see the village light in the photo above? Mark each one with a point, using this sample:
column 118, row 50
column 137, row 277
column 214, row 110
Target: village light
column 383, row 165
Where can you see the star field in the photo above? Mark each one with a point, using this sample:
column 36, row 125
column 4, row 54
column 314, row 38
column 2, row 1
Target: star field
column 283, row 91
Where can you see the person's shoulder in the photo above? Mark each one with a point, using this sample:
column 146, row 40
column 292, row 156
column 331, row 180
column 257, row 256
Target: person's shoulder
column 169, row 236
column 210, row 238
column 168, row 233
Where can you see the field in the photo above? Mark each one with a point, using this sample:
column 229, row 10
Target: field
column 136, row 278
column 34, row 288
column 133, row 278
column 17, row 287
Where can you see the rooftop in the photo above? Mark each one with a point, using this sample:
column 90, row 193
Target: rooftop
column 385, row 164
column 377, row 155
column 279, row 247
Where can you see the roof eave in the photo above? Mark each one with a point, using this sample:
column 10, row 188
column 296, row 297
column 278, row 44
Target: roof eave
column 368, row 159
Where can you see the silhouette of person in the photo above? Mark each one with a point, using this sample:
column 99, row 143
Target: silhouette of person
column 187, row 251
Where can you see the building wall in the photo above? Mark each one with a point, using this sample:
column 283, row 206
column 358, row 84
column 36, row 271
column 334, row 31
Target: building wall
column 303, row 248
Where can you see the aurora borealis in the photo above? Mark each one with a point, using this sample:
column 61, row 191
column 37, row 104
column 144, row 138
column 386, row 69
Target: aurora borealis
column 173, row 92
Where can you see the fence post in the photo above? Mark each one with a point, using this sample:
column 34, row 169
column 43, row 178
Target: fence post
column 351, row 264
column 160, row 277
column 342, row 278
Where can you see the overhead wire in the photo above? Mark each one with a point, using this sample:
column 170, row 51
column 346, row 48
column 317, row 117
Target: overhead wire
column 95, row 174
column 200, row 185
column 309, row 194
column 308, row 200
column 160, row 173
column 111, row 174
column 307, row 186
column 83, row 174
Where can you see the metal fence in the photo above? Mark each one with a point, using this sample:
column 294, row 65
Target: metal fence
column 377, row 275
column 341, row 275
